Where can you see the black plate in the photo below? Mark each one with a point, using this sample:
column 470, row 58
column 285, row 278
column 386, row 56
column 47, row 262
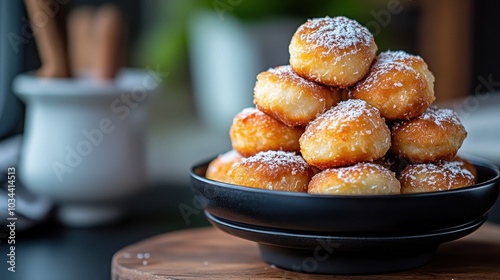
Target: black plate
column 335, row 254
column 405, row 214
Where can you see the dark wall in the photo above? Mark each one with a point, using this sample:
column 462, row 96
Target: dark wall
column 486, row 40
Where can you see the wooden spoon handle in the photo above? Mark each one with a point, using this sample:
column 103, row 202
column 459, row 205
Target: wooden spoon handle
column 109, row 42
column 81, row 38
column 50, row 43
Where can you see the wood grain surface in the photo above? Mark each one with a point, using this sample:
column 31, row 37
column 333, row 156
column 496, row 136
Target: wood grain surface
column 208, row 253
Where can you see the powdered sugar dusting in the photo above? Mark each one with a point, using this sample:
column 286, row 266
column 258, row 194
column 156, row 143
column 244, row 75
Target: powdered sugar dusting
column 229, row 156
column 432, row 175
column 438, row 176
column 335, row 33
column 345, row 111
column 286, row 72
column 349, row 109
column 223, row 161
column 457, row 168
column 350, row 174
column 400, row 56
column 386, row 63
column 247, row 112
column 440, row 116
column 275, row 160
column 342, row 114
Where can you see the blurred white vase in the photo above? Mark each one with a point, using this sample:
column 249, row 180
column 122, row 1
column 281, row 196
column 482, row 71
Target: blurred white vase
column 83, row 144
column 222, row 58
column 226, row 55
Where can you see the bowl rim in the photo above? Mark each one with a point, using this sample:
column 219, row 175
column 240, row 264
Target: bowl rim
column 476, row 161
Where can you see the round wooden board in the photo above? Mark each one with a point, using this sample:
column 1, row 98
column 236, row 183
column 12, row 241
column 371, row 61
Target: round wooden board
column 208, row 253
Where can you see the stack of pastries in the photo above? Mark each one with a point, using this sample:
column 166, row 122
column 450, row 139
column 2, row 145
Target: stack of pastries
column 341, row 119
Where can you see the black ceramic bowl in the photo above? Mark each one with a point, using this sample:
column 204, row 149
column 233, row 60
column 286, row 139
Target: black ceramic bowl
column 372, row 233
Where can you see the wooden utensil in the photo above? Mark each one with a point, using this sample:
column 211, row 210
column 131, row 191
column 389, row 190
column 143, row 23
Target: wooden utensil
column 50, row 43
column 108, row 42
column 96, row 40
column 81, row 38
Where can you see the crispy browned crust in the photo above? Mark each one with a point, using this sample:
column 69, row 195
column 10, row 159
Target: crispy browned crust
column 359, row 179
column 423, row 139
column 253, row 131
column 438, row 176
column 218, row 169
column 273, row 170
column 398, row 84
column 351, row 132
column 295, row 101
column 332, row 51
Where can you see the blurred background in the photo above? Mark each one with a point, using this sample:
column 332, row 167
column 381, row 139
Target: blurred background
column 209, row 53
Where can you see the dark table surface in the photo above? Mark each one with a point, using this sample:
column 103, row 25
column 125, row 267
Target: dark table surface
column 52, row 251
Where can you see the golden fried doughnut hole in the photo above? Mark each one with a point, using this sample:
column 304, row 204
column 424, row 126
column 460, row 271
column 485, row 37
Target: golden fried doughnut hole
column 467, row 165
column 351, row 132
column 360, row 179
column 333, row 51
column 439, row 176
column 253, row 131
column 399, row 84
column 273, row 170
column 218, row 169
column 435, row 135
column 288, row 97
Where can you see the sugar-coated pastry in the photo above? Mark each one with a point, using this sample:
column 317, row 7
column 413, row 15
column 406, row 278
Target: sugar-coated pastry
column 399, row 84
column 351, row 132
column 435, row 135
column 467, row 165
column 253, row 131
column 286, row 96
column 273, row 170
column 438, row 176
column 359, row 179
column 218, row 169
column 333, row 51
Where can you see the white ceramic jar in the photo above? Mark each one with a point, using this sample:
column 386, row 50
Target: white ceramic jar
column 83, row 144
